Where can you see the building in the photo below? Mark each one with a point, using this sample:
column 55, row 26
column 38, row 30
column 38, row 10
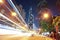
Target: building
column 42, row 5
column 30, row 19
column 21, row 10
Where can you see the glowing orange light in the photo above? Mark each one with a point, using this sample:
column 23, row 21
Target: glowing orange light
column 1, row 1
column 46, row 15
column 13, row 14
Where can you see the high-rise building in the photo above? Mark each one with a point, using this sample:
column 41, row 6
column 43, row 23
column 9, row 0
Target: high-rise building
column 21, row 10
column 42, row 5
column 30, row 19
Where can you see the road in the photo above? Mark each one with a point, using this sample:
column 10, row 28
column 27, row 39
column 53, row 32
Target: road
column 18, row 37
column 14, row 34
column 12, row 37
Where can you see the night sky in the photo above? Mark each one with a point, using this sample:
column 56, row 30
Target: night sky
column 33, row 3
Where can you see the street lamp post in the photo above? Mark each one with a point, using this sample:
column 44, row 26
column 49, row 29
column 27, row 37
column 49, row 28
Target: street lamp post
column 13, row 14
column 1, row 1
column 46, row 15
column 46, row 18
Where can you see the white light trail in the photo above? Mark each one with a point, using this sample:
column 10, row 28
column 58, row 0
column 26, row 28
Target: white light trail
column 15, row 16
column 7, row 22
column 7, row 7
column 11, row 21
column 12, row 32
column 5, row 30
column 6, row 27
column 16, row 10
column 6, row 18
column 19, row 20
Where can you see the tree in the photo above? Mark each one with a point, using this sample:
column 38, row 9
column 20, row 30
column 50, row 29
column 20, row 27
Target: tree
column 46, row 26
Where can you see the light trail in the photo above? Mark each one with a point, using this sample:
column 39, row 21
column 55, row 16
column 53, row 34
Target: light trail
column 16, row 10
column 19, row 20
column 15, row 16
column 7, row 23
column 12, row 21
column 6, row 18
column 11, row 12
column 7, row 7
column 14, row 32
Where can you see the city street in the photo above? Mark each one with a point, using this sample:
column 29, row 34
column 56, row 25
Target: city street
column 29, row 19
column 9, row 33
column 12, row 37
column 17, row 37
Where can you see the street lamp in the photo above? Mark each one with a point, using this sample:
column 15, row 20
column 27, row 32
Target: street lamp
column 46, row 15
column 13, row 14
column 1, row 1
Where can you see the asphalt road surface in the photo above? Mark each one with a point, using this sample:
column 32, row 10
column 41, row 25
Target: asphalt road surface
column 18, row 37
